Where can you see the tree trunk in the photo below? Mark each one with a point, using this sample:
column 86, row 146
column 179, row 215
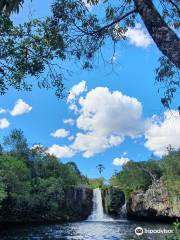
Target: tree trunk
column 165, row 38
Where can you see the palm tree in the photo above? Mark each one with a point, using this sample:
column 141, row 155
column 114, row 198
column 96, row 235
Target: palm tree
column 10, row 6
column 100, row 168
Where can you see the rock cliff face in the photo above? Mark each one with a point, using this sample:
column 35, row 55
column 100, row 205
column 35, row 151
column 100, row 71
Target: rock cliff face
column 113, row 200
column 77, row 204
column 154, row 204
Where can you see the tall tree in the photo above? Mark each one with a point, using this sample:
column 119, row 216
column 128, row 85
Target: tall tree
column 16, row 143
column 100, row 168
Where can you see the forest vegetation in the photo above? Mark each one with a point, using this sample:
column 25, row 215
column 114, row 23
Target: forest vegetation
column 32, row 182
column 140, row 175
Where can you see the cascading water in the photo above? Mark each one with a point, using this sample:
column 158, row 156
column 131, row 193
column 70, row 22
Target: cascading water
column 123, row 212
column 98, row 213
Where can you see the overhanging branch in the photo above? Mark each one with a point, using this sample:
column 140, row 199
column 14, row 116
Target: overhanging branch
column 117, row 20
column 175, row 5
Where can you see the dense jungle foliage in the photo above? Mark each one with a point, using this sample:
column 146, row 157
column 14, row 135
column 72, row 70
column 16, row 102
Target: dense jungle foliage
column 140, row 175
column 31, row 181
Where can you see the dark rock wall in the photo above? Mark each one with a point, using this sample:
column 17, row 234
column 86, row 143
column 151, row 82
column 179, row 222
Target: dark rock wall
column 113, row 200
column 77, row 204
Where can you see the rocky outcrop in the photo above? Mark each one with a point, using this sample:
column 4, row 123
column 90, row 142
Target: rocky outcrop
column 113, row 201
column 153, row 204
column 77, row 204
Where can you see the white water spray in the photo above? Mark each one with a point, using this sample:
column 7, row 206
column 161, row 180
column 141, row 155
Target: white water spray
column 98, row 213
column 123, row 212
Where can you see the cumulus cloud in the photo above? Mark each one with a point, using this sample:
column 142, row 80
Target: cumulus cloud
column 76, row 90
column 90, row 144
column 138, row 36
column 69, row 121
column 71, row 138
column 106, row 119
column 60, row 151
column 164, row 132
column 60, row 133
column 74, row 93
column 4, row 123
column 120, row 161
column 20, row 108
column 2, row 110
column 115, row 140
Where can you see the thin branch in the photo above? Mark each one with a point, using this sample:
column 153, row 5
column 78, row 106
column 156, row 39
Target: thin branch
column 108, row 25
column 175, row 5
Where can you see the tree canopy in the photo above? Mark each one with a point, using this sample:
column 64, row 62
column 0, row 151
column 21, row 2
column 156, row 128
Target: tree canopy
column 140, row 175
column 32, row 182
column 11, row 6
column 74, row 32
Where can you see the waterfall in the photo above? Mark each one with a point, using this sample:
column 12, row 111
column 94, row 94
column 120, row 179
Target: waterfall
column 123, row 212
column 97, row 213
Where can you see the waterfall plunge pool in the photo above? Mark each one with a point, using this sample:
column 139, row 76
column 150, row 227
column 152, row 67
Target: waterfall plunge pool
column 97, row 227
column 87, row 230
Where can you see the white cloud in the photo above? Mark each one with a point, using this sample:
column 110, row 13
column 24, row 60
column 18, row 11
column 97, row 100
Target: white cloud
column 60, row 133
column 120, row 161
column 74, row 93
column 71, row 138
column 4, row 123
column 76, row 90
column 2, row 110
column 115, row 140
column 61, row 151
column 20, row 108
column 69, row 121
column 163, row 133
column 90, row 144
column 138, row 36
column 106, row 119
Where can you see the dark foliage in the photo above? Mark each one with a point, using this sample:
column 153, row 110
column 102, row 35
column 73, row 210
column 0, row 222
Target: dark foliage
column 32, row 182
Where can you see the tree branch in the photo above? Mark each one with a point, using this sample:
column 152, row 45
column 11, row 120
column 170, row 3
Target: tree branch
column 175, row 5
column 120, row 18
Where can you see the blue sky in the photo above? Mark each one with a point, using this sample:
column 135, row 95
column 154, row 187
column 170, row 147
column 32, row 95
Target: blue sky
column 114, row 120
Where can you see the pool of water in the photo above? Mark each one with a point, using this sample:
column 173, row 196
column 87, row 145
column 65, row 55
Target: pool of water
column 87, row 230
